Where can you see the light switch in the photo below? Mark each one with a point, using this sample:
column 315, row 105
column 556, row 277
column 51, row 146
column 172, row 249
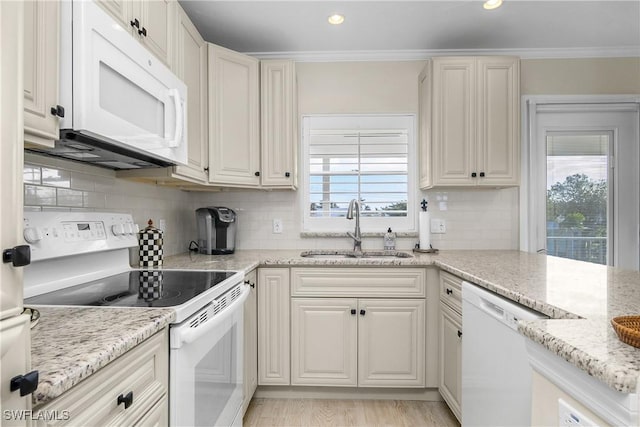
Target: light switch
column 277, row 226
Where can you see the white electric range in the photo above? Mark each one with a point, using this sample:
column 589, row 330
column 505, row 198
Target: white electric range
column 82, row 259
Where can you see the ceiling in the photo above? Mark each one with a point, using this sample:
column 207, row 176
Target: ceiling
column 454, row 25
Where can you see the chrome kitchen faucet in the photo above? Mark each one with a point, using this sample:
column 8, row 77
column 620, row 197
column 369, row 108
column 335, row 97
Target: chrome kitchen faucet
column 354, row 209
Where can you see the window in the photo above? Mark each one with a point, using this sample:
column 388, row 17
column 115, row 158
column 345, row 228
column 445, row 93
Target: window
column 580, row 192
column 370, row 158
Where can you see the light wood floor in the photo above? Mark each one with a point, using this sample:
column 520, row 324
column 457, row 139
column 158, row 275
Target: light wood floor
column 319, row 412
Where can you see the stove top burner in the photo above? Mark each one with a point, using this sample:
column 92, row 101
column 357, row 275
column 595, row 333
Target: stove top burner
column 137, row 288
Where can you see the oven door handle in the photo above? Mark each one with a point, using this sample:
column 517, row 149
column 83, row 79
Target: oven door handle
column 189, row 335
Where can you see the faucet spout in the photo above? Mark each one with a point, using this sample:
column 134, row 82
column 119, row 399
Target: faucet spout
column 354, row 212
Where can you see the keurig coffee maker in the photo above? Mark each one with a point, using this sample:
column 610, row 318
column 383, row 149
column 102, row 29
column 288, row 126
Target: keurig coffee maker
column 216, row 230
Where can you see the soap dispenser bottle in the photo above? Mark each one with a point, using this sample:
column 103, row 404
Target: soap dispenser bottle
column 389, row 240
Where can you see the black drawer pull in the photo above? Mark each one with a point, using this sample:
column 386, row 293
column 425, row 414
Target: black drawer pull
column 27, row 383
column 353, row 311
column 287, row 174
column 257, row 174
column 473, row 174
column 57, row 110
column 247, row 282
column 18, row 256
column 127, row 400
column 449, row 291
column 143, row 32
column 459, row 333
column 481, row 174
column 362, row 312
column 135, row 23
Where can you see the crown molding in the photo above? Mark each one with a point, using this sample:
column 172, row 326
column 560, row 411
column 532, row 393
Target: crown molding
column 422, row 54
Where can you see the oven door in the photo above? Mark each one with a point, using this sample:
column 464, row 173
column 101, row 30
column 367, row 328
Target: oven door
column 117, row 89
column 206, row 367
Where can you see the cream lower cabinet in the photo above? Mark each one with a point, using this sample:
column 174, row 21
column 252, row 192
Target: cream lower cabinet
column 273, row 326
column 339, row 337
column 450, row 342
column 140, row 376
column 250, row 350
column 475, row 121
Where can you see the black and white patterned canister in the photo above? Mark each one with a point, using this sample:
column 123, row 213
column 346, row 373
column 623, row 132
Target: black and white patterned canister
column 150, row 241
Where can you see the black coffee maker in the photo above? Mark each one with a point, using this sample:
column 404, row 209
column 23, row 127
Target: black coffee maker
column 216, row 230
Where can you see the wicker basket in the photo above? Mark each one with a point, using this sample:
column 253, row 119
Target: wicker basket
column 628, row 329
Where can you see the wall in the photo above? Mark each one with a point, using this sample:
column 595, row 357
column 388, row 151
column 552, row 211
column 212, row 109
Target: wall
column 484, row 219
column 585, row 76
column 53, row 184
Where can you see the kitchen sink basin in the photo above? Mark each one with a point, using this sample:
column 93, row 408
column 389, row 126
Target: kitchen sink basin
column 329, row 254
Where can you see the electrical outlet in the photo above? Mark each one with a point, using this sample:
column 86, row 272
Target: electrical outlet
column 162, row 224
column 277, row 226
column 438, row 226
column 569, row 416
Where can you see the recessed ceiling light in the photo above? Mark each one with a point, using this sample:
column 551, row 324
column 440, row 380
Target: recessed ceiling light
column 335, row 19
column 492, row 4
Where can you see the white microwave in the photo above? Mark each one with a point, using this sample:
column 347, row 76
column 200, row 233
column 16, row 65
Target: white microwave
column 124, row 108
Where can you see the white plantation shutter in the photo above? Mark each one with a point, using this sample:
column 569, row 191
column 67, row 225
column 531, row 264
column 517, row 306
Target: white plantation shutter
column 349, row 162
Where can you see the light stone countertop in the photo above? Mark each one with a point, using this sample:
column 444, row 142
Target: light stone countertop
column 579, row 297
column 70, row 343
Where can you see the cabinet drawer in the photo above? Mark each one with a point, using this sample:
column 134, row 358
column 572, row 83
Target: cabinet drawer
column 358, row 282
column 142, row 371
column 451, row 290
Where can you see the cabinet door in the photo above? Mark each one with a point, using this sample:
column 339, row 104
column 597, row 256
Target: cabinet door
column 278, row 124
column 120, row 10
column 15, row 359
column 11, row 154
column 41, row 34
column 424, row 140
column 451, row 358
column 454, row 150
column 156, row 26
column 391, row 343
column 250, row 349
column 273, row 327
column 190, row 65
column 498, row 107
column 234, row 145
column 323, row 341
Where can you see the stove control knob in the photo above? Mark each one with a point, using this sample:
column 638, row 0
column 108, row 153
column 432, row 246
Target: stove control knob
column 117, row 229
column 136, row 228
column 32, row 234
column 128, row 229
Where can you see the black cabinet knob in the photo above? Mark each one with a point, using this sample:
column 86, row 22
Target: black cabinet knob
column 206, row 169
column 143, row 32
column 19, row 256
column 449, row 291
column 353, row 311
column 127, row 400
column 362, row 312
column 135, row 23
column 257, row 174
column 459, row 334
column 287, row 174
column 247, row 282
column 481, row 174
column 473, row 174
column 58, row 111
column 27, row 383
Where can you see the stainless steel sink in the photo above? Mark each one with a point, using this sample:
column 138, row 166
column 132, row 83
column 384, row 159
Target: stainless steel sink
column 329, row 254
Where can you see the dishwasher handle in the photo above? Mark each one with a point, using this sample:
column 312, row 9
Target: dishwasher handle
column 492, row 309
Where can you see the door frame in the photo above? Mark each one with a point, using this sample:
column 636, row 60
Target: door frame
column 529, row 205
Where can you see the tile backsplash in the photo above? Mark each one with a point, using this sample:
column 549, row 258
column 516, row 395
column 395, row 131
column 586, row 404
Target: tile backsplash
column 53, row 184
column 475, row 219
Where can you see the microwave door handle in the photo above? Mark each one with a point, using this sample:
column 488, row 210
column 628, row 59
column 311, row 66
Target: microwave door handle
column 179, row 118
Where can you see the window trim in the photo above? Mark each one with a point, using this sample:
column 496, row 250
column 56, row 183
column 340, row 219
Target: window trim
column 367, row 225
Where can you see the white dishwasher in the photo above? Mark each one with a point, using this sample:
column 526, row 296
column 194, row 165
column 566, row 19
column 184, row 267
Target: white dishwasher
column 496, row 376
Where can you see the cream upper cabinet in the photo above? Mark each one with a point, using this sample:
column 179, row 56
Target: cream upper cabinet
column 250, row 350
column 475, row 121
column 149, row 21
column 424, row 131
column 41, row 34
column 278, row 124
column 190, row 65
column 234, row 137
column 273, row 327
